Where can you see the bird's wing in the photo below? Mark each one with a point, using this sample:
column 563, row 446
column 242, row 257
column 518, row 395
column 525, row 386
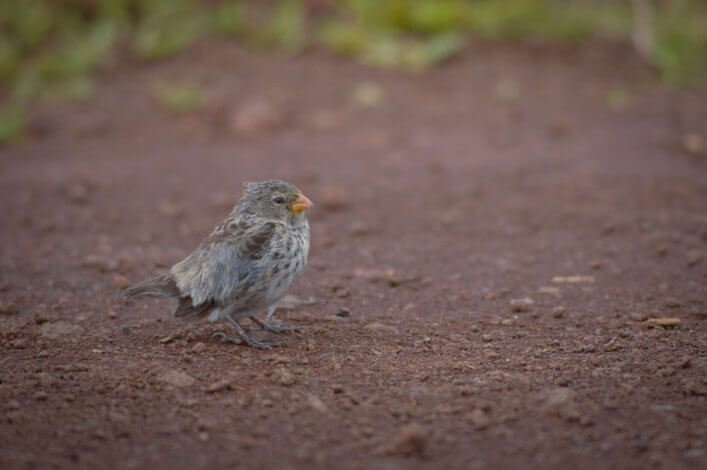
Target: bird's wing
column 226, row 263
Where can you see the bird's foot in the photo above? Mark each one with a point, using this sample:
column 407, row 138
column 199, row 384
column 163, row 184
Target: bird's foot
column 253, row 343
column 277, row 328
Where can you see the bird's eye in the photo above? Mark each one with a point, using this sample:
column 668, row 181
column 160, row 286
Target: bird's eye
column 279, row 200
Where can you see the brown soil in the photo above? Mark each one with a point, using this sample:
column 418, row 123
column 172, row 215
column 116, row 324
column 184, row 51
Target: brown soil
column 436, row 211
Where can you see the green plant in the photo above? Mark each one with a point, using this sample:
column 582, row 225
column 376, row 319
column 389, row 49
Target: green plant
column 179, row 98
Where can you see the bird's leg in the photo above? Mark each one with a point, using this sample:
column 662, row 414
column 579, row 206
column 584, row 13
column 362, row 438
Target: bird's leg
column 276, row 328
column 243, row 336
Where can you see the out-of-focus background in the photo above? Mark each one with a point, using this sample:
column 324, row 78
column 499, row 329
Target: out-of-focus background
column 508, row 239
column 52, row 49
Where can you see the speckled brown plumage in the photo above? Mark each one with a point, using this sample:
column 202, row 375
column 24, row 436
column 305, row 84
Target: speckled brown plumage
column 246, row 265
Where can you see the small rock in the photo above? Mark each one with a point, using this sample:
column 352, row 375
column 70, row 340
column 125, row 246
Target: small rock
column 41, row 395
column 672, row 302
column 380, row 328
column 522, row 305
column 507, row 322
column 666, row 322
column 40, row 318
column 341, row 291
column 285, row 377
column 120, row 282
column 557, row 396
column 694, row 257
column 198, row 348
column 176, row 378
column 479, row 419
column 486, row 338
column 551, row 290
column 562, row 381
column 693, row 144
column 573, row 279
column 61, row 329
column 596, row 264
column 218, row 386
column 317, row 404
column 558, row 312
column 638, row 316
column 337, row 388
column 112, row 314
column 411, row 440
column 77, row 193
column 170, row 337
column 343, row 312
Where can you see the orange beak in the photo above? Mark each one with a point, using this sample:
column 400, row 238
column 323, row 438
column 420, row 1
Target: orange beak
column 301, row 204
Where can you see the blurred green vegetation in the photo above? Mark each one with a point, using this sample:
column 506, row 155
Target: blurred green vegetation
column 50, row 48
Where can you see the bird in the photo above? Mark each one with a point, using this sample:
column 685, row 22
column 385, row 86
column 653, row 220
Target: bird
column 245, row 266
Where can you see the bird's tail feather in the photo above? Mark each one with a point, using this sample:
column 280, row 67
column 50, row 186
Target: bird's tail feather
column 160, row 286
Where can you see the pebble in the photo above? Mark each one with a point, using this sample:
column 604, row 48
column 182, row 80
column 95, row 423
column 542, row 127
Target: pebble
column 694, row 257
column 285, row 377
column 378, row 327
column 411, row 440
column 672, row 302
column 112, row 314
column 486, row 338
column 573, row 279
column 638, row 316
column 479, row 419
column 77, row 193
column 41, row 395
column 337, row 388
column 343, row 312
column 198, row 348
column 562, row 381
column 693, row 144
column 218, row 386
column 522, row 305
column 176, row 378
column 317, row 404
column 558, row 312
column 666, row 322
column 120, row 282
column 557, row 396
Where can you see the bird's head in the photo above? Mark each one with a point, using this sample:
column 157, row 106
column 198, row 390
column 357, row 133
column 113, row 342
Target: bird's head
column 275, row 199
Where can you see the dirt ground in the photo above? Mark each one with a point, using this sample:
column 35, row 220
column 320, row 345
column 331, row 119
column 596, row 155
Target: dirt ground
column 488, row 242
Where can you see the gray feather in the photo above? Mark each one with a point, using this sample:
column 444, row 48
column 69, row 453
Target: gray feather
column 160, row 286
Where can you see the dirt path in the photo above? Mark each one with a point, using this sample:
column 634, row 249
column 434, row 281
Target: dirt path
column 436, row 211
